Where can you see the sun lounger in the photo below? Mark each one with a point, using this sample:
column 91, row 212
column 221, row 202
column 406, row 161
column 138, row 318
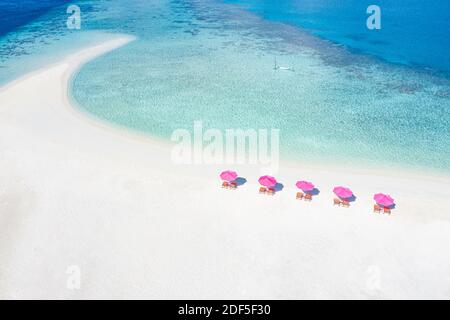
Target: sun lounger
column 225, row 184
column 337, row 202
column 386, row 210
column 376, row 208
column 262, row 190
column 299, row 195
column 308, row 197
column 271, row 191
column 345, row 203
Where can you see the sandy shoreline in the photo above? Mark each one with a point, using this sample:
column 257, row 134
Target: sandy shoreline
column 76, row 192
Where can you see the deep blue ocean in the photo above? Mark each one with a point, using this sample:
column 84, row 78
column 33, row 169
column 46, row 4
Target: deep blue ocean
column 413, row 32
column 15, row 14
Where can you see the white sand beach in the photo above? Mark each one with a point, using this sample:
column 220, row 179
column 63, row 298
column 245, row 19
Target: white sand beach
column 77, row 192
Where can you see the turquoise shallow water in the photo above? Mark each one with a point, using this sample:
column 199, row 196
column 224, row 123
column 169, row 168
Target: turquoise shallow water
column 204, row 60
column 214, row 63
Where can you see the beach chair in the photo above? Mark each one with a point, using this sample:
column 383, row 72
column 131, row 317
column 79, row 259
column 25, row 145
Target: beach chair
column 299, row 195
column 387, row 210
column 336, row 202
column 376, row 208
column 262, row 190
column 271, row 191
column 233, row 185
column 308, row 197
column 225, row 184
column 345, row 203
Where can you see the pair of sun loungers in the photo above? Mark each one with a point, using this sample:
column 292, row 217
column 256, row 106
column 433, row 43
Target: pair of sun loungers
column 376, row 208
column 268, row 191
column 379, row 209
column 229, row 185
column 341, row 203
column 303, row 196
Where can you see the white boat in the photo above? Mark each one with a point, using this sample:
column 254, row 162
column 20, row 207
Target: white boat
column 277, row 67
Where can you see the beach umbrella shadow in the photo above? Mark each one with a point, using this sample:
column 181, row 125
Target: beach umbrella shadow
column 314, row 192
column 278, row 187
column 240, row 181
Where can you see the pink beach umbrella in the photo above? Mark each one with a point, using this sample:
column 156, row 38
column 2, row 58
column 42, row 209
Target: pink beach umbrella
column 383, row 199
column 267, row 181
column 305, row 186
column 228, row 175
column 342, row 192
